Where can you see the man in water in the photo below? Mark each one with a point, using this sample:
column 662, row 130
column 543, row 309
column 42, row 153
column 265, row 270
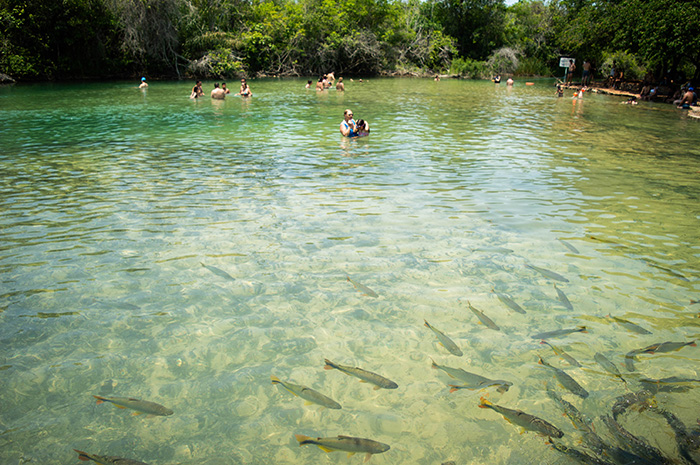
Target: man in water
column 225, row 89
column 144, row 84
column 347, row 127
column 218, row 93
column 688, row 99
column 340, row 85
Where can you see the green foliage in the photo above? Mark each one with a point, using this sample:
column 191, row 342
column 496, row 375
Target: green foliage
column 468, row 68
column 532, row 66
column 505, row 60
column 625, row 62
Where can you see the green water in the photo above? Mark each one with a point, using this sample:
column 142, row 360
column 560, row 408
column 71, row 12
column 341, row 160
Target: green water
column 112, row 198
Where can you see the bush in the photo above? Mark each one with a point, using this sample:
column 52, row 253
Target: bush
column 219, row 63
column 504, row 61
column 531, row 66
column 468, row 68
column 625, row 62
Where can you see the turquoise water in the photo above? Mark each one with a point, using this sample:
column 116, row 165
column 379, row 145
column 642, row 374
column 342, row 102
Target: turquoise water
column 113, row 198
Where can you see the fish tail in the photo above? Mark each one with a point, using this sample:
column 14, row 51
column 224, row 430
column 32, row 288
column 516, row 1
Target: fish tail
column 329, row 365
column 453, row 388
column 99, row 399
column 426, row 324
column 434, row 365
column 541, row 362
column 582, row 329
column 484, row 403
column 82, row 455
column 693, row 344
column 301, row 438
column 275, row 379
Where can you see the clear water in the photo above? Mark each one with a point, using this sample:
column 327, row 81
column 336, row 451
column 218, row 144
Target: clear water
column 112, row 198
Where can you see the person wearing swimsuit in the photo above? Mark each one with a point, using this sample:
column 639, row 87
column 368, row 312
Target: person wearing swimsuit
column 347, row 126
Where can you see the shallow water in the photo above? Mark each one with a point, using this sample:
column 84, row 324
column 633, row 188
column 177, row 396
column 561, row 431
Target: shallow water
column 114, row 198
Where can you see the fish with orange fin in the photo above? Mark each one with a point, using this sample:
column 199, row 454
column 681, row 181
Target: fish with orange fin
column 106, row 459
column 345, row 443
column 445, row 341
column 361, row 288
column 524, row 420
column 140, row 406
column 365, row 376
column 306, row 393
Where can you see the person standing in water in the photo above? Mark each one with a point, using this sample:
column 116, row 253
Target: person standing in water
column 347, row 126
column 245, row 90
column 144, row 84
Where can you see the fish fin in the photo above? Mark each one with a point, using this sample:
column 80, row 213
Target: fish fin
column 329, row 365
column 453, row 388
column 301, row 438
column 82, row 455
column 135, row 413
column 484, row 403
column 367, row 457
column 325, row 449
column 119, row 406
column 99, row 399
column 376, row 388
column 350, row 454
column 275, row 379
column 308, row 402
column 363, row 381
column 693, row 344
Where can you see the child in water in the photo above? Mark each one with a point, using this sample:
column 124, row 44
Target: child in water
column 362, row 128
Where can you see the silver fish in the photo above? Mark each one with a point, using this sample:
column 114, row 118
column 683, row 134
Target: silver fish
column 219, row 272
column 488, row 322
column 568, row 246
column 362, row 288
column 547, row 273
column 524, row 420
column 106, row 459
column 563, row 299
column 445, row 341
column 345, row 443
column 635, row 328
column 559, row 332
column 571, row 360
column 567, row 381
column 471, row 380
column 510, row 303
column 140, row 406
column 608, row 365
column 307, row 394
column 364, row 375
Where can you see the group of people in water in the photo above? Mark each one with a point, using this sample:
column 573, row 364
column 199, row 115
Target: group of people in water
column 220, row 92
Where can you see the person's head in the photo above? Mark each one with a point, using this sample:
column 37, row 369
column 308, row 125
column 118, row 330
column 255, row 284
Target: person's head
column 360, row 124
column 199, row 83
column 143, row 79
column 244, row 83
column 223, row 85
column 340, row 79
column 216, row 85
column 347, row 114
column 309, row 81
column 690, row 89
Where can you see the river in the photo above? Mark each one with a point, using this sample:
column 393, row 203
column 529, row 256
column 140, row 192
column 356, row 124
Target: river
column 184, row 251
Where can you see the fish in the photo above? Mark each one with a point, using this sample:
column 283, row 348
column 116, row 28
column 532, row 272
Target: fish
column 686, row 441
column 563, row 299
column 608, row 365
column 219, row 272
column 568, row 246
column 362, row 289
column 693, row 302
column 106, row 459
column 547, row 273
column 446, row 342
column 635, row 328
column 638, row 401
column 559, row 332
column 577, row 455
column 667, row 270
column 140, row 406
column 630, row 357
column 570, row 360
column 670, row 384
column 580, row 422
column 488, row 322
column 566, row 380
column 345, row 443
column 307, row 394
column 365, row 376
column 524, row 420
column 471, row 380
column 633, row 443
column 510, row 303
column 666, row 347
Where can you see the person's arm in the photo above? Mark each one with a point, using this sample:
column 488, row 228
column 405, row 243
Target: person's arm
column 346, row 128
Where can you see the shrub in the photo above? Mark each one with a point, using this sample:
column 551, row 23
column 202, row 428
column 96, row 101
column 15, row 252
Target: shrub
column 625, row 62
column 468, row 68
column 503, row 61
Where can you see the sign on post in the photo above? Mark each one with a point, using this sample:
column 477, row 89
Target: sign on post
column 564, row 62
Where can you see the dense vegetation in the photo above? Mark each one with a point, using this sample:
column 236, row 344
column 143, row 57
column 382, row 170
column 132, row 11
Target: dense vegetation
column 227, row 38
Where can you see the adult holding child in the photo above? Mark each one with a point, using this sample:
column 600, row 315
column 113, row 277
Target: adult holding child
column 349, row 128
